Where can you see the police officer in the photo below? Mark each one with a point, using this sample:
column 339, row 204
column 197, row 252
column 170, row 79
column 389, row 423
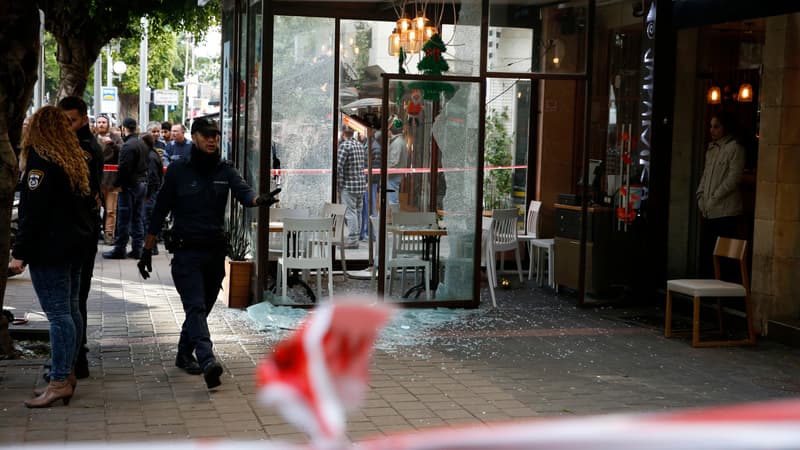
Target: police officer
column 76, row 110
column 195, row 191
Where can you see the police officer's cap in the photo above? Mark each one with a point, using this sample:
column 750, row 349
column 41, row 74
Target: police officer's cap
column 205, row 126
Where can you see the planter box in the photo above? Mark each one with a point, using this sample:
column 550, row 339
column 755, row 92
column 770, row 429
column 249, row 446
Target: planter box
column 236, row 285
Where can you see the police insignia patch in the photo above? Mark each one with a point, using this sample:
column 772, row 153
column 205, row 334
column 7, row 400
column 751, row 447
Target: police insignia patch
column 35, row 178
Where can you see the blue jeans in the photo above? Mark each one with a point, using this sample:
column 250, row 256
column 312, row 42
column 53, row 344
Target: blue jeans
column 393, row 183
column 198, row 277
column 57, row 288
column 365, row 212
column 130, row 212
column 352, row 216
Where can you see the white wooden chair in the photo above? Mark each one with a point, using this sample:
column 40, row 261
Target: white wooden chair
column 306, row 246
column 538, row 247
column 698, row 288
column 274, row 242
column 503, row 238
column 337, row 211
column 408, row 250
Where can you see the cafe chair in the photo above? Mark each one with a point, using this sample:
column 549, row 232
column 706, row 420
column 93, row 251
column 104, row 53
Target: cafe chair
column 408, row 251
column 279, row 215
column 541, row 251
column 306, row 246
column 502, row 238
column 337, row 211
column 488, row 258
column 734, row 249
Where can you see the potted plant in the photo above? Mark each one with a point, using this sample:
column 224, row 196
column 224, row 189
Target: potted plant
column 497, row 153
column 238, row 269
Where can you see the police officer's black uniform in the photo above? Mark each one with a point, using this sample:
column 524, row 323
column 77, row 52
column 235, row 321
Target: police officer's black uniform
column 196, row 191
column 94, row 158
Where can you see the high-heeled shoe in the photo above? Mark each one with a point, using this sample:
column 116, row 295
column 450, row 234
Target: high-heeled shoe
column 56, row 390
column 71, row 379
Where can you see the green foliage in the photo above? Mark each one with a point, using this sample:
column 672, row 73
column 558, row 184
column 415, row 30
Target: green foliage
column 239, row 242
column 84, row 27
column 497, row 152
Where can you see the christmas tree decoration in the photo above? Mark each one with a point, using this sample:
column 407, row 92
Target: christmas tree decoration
column 433, row 64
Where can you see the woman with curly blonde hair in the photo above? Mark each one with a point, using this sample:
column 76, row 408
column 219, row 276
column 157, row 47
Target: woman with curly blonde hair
column 55, row 228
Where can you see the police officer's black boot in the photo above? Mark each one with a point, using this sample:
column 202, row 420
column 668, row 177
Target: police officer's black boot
column 82, row 365
column 212, row 370
column 188, row 363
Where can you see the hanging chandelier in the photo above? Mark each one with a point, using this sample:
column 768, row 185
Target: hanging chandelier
column 409, row 35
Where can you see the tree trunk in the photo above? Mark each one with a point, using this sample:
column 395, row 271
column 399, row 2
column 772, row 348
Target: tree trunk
column 19, row 51
column 76, row 56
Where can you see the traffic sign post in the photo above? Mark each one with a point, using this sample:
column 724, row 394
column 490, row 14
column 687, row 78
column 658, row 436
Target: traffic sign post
column 165, row 97
column 109, row 101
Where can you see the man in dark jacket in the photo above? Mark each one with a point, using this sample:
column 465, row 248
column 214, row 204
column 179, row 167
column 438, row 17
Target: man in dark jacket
column 76, row 110
column 132, row 182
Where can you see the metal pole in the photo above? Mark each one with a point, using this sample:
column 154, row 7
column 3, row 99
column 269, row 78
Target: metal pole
column 144, row 90
column 98, row 83
column 166, row 107
column 109, row 63
column 186, row 80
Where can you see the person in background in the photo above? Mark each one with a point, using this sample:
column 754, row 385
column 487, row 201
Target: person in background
column 375, row 147
column 166, row 130
column 154, row 129
column 396, row 159
column 196, row 192
column 75, row 108
column 179, row 147
column 56, row 229
column 132, row 184
column 155, row 177
column 111, row 143
column 352, row 183
column 718, row 195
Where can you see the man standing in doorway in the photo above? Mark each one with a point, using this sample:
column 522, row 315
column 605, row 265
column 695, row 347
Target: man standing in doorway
column 76, row 110
column 352, row 183
column 132, row 182
column 179, row 147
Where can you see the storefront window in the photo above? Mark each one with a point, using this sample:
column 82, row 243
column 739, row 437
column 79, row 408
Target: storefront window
column 251, row 166
column 530, row 37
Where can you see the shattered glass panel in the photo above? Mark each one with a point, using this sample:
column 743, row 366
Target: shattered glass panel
column 440, row 136
column 302, row 109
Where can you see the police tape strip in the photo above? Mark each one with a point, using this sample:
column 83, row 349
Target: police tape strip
column 413, row 170
column 773, row 425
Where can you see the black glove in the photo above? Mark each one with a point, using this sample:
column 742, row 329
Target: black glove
column 145, row 263
column 268, row 199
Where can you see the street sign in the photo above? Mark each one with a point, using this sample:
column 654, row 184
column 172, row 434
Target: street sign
column 165, row 97
column 108, row 100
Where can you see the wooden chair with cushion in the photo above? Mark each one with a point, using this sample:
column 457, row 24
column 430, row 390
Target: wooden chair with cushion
column 698, row 288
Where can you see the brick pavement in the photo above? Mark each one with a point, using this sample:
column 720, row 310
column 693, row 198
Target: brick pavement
column 537, row 355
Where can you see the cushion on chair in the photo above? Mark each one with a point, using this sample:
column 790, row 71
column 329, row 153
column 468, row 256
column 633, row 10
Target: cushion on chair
column 706, row 288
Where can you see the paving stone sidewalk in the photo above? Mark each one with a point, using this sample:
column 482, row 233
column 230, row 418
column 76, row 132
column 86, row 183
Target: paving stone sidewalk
column 537, row 355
